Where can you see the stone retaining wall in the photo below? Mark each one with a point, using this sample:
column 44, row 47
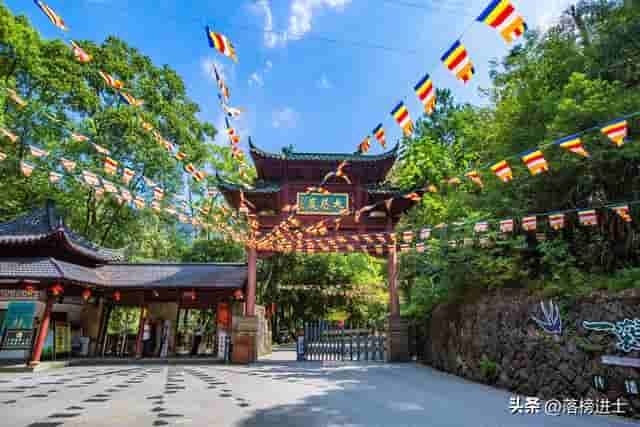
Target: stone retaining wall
column 491, row 338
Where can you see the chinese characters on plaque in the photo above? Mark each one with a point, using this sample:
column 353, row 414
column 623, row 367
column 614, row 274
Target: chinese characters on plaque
column 322, row 204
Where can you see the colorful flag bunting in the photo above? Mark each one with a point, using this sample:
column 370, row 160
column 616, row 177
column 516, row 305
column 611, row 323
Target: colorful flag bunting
column 420, row 247
column 126, row 194
column 81, row 56
column 529, row 223
column 224, row 90
column 535, row 161
column 99, row 192
column 407, row 236
column 110, row 166
column 190, row 168
column 501, row 15
column 506, row 226
column 364, row 146
column 481, row 227
column 155, row 205
column 503, row 171
column 457, row 61
column 199, row 176
column 100, row 149
column 221, row 44
column 69, row 165
column 53, row 17
column 401, row 116
column 26, row 168
column 130, row 100
column 109, row 186
column 426, row 94
column 588, row 217
column 149, row 182
column 556, row 221
column 54, row 177
column 16, row 98
column 127, row 175
column 454, row 181
column 474, row 176
column 139, row 202
column 147, row 126
column 3, row 156
column 111, row 81
column 78, row 137
column 425, row 233
column 231, row 111
column 573, row 143
column 378, row 132
column 158, row 193
column 90, row 178
column 38, row 152
column 623, row 212
column 616, row 131
column 415, row 197
column 180, row 156
column 9, row 135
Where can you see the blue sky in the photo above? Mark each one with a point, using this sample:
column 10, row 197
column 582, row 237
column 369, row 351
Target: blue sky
column 298, row 89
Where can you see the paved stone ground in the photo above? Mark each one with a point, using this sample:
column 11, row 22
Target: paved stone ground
column 276, row 392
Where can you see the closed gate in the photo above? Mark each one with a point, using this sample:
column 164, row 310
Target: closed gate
column 324, row 340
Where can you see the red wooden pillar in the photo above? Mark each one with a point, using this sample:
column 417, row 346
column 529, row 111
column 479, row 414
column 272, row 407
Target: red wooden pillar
column 143, row 317
column 250, row 298
column 392, row 266
column 42, row 334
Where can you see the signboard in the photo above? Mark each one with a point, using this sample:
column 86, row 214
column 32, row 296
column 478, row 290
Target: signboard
column 18, row 339
column 20, row 315
column 322, row 204
column 632, row 362
column 20, row 294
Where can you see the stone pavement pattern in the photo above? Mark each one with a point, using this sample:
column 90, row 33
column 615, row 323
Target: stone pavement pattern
column 271, row 393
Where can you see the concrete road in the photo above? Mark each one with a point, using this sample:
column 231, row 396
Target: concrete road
column 275, row 392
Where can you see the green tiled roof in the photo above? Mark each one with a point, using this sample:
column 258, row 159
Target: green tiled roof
column 289, row 154
column 259, row 187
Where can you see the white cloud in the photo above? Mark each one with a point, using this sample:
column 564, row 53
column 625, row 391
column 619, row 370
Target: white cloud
column 300, row 18
column 286, row 117
column 324, row 83
column 550, row 11
column 256, row 80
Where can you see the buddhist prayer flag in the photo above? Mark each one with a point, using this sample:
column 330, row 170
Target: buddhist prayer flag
column 616, row 131
column 81, row 56
column 481, row 227
column 413, row 197
column 501, row 15
column 221, row 44
column 180, row 156
column 127, row 175
column 78, row 137
column 38, row 152
column 420, row 247
column 158, row 193
column 26, row 168
column 190, row 168
column 535, row 162
column 454, row 181
column 506, row 226
column 9, row 135
column 475, row 177
column 139, row 202
column 16, row 98
column 401, row 116
column 54, row 177
column 231, row 111
column 623, row 212
column 425, row 233
column 90, row 178
column 199, row 175
column 149, row 182
column 502, row 171
column 109, row 186
column 573, row 143
column 110, row 166
column 529, row 223
column 53, row 17
column 69, row 165
column 130, row 100
column 457, row 61
column 378, row 132
column 155, row 205
column 588, row 217
column 3, row 156
column 364, row 146
column 556, row 221
column 426, row 94
column 407, row 236
column 100, row 149
column 99, row 192
column 147, row 126
column 111, row 81
column 224, row 90
column 126, row 194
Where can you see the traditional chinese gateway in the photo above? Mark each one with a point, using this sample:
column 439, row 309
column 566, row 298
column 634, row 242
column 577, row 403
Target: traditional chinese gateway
column 352, row 211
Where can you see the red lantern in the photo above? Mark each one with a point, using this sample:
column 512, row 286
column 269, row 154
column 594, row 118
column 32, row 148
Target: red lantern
column 116, row 296
column 194, row 295
column 86, row 294
column 56, row 289
column 238, row 294
column 28, row 289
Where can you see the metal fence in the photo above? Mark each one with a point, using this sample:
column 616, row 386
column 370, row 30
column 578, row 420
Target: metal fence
column 324, row 340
